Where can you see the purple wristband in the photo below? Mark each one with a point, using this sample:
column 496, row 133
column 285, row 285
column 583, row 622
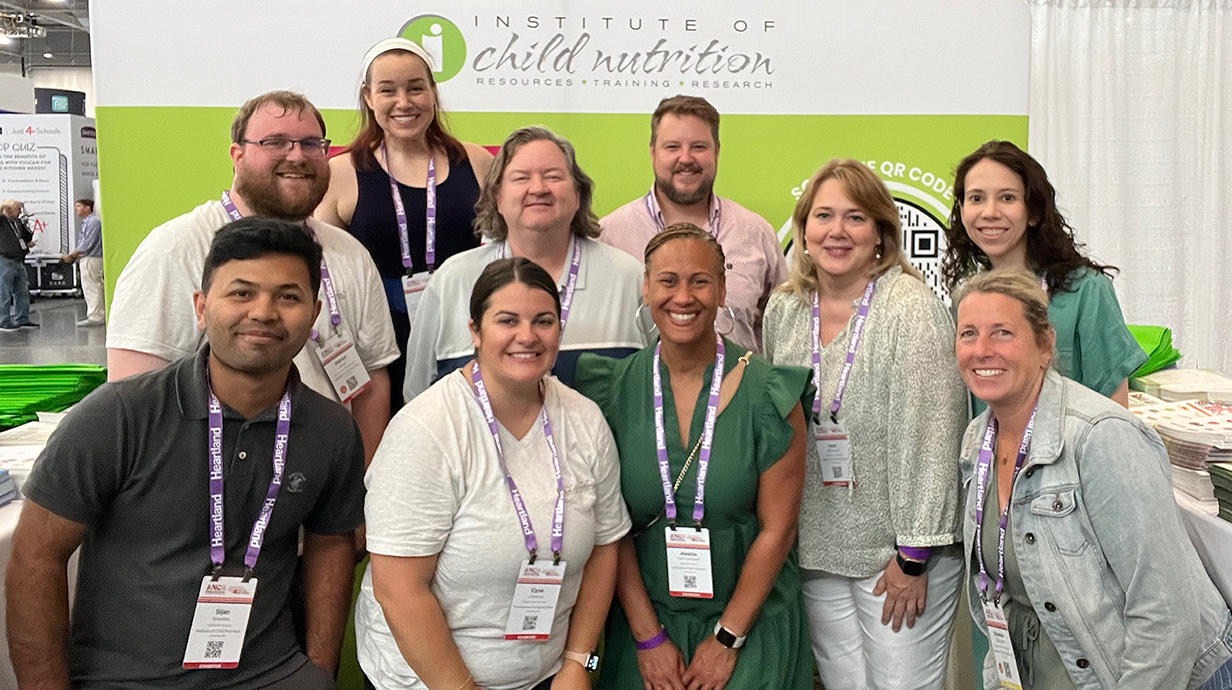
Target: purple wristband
column 654, row 641
column 916, row 553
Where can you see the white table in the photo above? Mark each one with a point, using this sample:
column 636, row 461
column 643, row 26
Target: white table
column 1212, row 538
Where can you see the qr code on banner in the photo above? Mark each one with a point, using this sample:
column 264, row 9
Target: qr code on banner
column 213, row 649
column 690, row 582
column 529, row 622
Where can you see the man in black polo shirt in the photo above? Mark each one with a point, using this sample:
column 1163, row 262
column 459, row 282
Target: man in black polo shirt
column 186, row 489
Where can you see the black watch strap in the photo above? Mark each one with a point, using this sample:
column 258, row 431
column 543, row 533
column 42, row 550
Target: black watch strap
column 912, row 568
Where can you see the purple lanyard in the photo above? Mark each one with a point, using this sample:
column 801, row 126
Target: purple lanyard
column 558, row 513
column 857, row 332
column 566, row 294
column 331, row 295
column 703, row 459
column 981, row 481
column 400, row 211
column 282, row 432
column 656, row 215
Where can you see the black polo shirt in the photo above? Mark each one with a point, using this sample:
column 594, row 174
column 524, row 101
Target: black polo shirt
column 130, row 462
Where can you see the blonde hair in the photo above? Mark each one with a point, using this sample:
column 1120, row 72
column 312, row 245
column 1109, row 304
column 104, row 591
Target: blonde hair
column 869, row 193
column 1017, row 284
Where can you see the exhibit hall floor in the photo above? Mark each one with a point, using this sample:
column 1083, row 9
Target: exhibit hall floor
column 57, row 340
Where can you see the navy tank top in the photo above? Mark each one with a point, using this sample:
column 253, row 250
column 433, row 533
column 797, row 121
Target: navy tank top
column 375, row 224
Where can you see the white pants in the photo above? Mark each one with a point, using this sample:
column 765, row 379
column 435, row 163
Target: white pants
column 92, row 286
column 854, row 651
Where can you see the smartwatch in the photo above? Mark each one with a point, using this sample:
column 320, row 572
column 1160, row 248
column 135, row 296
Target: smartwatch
column 588, row 660
column 728, row 638
column 909, row 567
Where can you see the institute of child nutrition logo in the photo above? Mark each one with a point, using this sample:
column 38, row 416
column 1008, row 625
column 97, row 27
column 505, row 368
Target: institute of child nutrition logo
column 443, row 41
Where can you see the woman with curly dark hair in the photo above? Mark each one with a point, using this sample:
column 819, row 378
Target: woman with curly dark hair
column 1005, row 215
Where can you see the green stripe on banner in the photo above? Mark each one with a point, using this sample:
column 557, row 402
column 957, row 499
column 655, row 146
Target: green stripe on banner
column 158, row 162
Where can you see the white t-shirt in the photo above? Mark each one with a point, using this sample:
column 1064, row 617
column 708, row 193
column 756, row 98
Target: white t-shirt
column 436, row 487
column 601, row 319
column 152, row 310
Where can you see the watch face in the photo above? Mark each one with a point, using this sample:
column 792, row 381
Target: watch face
column 592, row 662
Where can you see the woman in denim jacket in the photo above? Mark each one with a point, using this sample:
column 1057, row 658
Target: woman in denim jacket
column 1090, row 581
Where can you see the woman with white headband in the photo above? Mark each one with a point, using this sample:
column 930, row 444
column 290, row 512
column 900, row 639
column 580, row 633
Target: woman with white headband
column 405, row 187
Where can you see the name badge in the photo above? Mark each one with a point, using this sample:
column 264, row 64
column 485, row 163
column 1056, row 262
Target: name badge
column 1002, row 647
column 343, row 366
column 688, row 563
column 833, row 453
column 216, row 638
column 412, row 291
column 534, row 600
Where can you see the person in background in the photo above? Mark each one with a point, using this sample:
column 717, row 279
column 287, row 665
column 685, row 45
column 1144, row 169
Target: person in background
column 881, row 489
column 495, row 481
column 1079, row 567
column 709, row 586
column 278, row 151
column 15, row 242
column 684, row 154
column 1005, row 215
column 187, row 560
column 535, row 204
column 403, row 145
column 89, row 253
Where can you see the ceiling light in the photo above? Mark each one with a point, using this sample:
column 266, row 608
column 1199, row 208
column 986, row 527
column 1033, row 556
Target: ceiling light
column 48, row 55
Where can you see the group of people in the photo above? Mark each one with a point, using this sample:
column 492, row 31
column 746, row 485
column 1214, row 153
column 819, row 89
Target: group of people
column 648, row 433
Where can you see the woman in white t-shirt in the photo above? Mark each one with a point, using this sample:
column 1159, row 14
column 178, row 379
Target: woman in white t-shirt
column 492, row 492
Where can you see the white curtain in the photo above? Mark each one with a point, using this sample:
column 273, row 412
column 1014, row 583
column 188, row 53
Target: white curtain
column 1131, row 114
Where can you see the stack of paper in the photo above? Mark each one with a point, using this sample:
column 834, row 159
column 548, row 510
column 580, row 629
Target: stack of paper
column 26, row 389
column 1196, row 433
column 1221, row 477
column 1183, row 384
column 8, row 490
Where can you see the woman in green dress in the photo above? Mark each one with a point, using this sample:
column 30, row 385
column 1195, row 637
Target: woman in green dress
column 708, row 581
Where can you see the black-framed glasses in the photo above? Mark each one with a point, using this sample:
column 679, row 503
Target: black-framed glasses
column 311, row 146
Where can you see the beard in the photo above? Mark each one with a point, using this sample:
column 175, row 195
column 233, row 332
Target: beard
column 265, row 197
column 684, row 198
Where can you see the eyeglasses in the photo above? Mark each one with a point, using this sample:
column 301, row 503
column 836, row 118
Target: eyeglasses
column 312, row 146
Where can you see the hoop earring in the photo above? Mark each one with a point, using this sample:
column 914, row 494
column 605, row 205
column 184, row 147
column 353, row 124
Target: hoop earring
column 640, row 322
column 732, row 315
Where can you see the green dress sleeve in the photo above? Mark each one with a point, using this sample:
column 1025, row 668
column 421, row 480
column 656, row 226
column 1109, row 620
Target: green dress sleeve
column 594, row 379
column 1094, row 347
column 782, row 387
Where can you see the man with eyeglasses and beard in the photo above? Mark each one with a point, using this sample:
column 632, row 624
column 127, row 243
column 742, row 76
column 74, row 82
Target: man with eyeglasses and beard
column 684, row 152
column 280, row 156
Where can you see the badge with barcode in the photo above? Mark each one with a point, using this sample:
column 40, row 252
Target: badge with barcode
column 534, row 600
column 688, row 562
column 833, row 453
column 216, row 638
column 412, row 292
column 343, row 366
column 1002, row 646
